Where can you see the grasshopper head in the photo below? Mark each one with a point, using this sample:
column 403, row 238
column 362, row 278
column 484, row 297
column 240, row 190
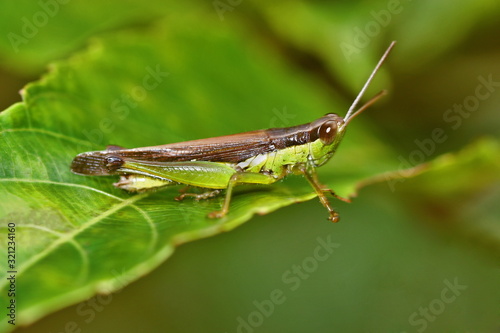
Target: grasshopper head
column 325, row 135
column 327, row 132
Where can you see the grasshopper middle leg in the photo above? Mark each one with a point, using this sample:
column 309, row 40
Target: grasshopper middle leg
column 239, row 178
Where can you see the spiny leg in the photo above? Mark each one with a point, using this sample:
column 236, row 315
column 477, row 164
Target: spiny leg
column 197, row 196
column 238, row 178
column 322, row 187
column 311, row 176
column 326, row 189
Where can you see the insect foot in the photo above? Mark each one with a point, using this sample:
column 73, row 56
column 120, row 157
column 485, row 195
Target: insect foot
column 216, row 214
column 334, row 217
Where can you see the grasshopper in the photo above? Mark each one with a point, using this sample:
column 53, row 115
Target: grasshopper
column 257, row 157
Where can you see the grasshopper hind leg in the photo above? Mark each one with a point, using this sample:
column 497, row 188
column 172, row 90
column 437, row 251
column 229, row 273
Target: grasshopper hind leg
column 198, row 196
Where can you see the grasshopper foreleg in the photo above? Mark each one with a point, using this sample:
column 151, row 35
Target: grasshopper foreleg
column 326, row 189
column 310, row 173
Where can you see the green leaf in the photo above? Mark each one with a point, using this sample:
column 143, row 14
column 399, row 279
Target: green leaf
column 80, row 235
column 32, row 34
column 355, row 32
column 459, row 193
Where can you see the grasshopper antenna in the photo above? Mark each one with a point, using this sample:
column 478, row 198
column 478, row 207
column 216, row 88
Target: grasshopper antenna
column 356, row 101
column 365, row 106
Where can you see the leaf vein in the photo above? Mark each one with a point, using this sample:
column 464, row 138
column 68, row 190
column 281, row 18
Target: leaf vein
column 47, row 132
column 84, row 255
column 149, row 221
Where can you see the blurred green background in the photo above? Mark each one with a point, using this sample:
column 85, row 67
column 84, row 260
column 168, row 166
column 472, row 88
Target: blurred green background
column 409, row 256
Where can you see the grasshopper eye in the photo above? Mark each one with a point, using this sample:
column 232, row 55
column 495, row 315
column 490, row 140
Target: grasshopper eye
column 327, row 132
